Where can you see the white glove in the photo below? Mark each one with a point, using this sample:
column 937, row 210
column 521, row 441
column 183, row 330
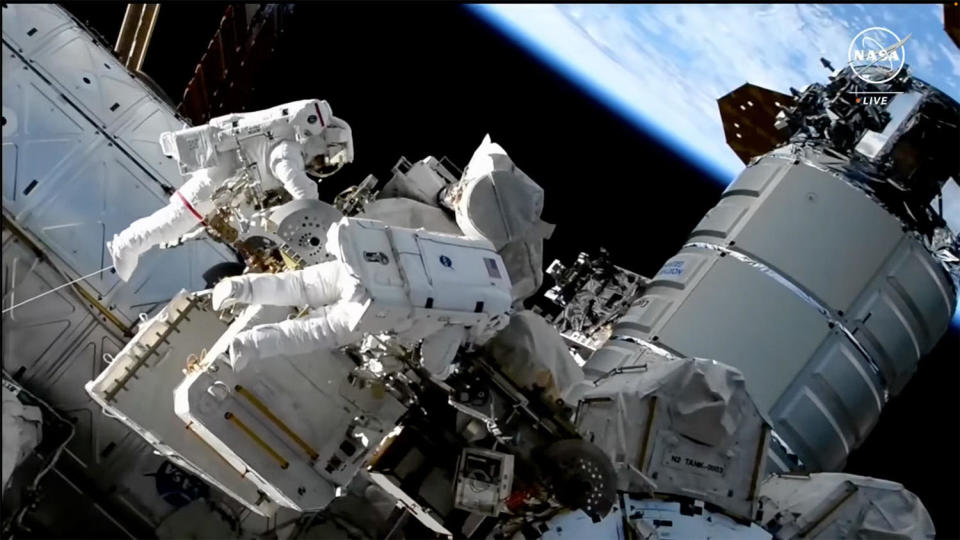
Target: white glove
column 480, row 334
column 225, row 294
column 440, row 349
column 195, row 234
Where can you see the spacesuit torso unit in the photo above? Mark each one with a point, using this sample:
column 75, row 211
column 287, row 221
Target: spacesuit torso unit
column 417, row 275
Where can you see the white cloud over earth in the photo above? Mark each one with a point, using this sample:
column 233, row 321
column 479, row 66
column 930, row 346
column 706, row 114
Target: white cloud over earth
column 665, row 65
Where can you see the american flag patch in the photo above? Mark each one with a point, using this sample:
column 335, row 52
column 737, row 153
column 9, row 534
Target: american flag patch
column 492, row 269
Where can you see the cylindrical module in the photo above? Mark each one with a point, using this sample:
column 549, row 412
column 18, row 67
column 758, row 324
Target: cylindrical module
column 823, row 299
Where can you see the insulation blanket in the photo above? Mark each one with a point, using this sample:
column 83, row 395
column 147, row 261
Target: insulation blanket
column 532, row 353
column 21, row 432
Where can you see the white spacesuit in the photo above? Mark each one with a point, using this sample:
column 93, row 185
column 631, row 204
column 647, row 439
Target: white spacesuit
column 284, row 146
column 440, row 288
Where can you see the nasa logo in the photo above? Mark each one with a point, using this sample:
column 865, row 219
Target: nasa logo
column 877, row 47
column 444, row 260
column 178, row 487
column 674, row 268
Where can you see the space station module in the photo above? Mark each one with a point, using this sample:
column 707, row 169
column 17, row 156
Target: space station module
column 420, row 285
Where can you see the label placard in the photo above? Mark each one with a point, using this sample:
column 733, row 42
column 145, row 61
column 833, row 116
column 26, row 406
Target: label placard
column 683, row 462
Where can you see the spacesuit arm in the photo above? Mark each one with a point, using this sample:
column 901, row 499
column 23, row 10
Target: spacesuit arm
column 326, row 328
column 286, row 163
column 315, row 285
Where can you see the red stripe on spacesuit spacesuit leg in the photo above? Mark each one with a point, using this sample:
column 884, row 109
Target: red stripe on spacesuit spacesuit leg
column 191, row 208
column 319, row 115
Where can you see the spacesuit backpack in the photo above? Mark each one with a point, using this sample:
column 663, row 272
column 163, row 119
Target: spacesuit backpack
column 418, row 275
column 203, row 146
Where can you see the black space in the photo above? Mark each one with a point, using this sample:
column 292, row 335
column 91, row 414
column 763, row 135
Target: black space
column 433, row 79
column 417, row 79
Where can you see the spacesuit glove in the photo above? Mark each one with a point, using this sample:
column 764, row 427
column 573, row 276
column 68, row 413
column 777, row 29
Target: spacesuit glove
column 482, row 333
column 196, row 234
column 239, row 356
column 227, row 293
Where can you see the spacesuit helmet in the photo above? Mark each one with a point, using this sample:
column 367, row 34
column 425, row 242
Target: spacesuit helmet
column 328, row 151
column 494, row 199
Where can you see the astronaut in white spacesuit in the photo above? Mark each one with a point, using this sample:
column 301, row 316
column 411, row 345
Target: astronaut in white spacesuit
column 446, row 290
column 290, row 146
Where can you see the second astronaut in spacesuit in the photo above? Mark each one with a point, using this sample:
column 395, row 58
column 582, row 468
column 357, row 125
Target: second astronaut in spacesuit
column 467, row 272
column 288, row 147
column 443, row 289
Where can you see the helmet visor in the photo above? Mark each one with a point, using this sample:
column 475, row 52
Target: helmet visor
column 321, row 167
